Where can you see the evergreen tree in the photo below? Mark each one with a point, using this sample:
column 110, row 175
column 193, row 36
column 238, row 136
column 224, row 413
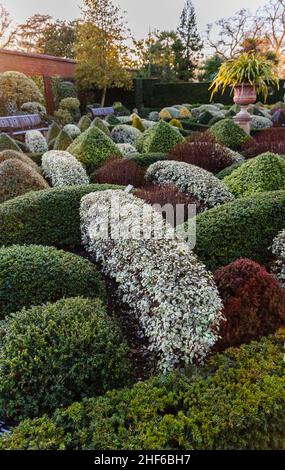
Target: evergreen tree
column 189, row 45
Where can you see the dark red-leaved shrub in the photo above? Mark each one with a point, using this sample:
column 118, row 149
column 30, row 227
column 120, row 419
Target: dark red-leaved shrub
column 254, row 303
column 269, row 140
column 202, row 150
column 118, row 171
column 169, row 194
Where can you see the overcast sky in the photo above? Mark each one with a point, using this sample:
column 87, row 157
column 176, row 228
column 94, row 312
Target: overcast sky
column 141, row 14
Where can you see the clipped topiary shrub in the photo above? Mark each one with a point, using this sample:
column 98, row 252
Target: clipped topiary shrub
column 62, row 141
column 167, row 290
column 69, row 350
column 236, row 396
column 53, row 132
column 15, row 90
column 267, row 140
column 191, row 180
column 32, row 275
column 84, row 123
column 72, row 130
column 228, row 170
column 35, row 142
column 33, row 107
column 93, row 147
column 244, row 228
column 263, row 173
column 124, row 134
column 229, row 134
column 17, row 178
column 14, row 155
column 260, row 122
column 160, row 138
column 147, row 159
column 98, row 122
column 127, row 150
column 254, row 303
column 7, row 143
column 62, row 169
column 47, row 217
column 137, row 123
column 278, row 249
column 121, row 172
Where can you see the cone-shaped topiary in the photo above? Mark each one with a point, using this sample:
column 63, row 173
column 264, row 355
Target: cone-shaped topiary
column 263, row 173
column 7, row 143
column 160, row 138
column 98, row 122
column 176, row 123
column 17, row 178
column 137, row 123
column 53, row 132
column 62, row 141
column 230, row 134
column 84, row 123
column 93, row 147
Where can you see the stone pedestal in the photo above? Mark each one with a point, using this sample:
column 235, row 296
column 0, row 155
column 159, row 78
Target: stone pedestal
column 244, row 96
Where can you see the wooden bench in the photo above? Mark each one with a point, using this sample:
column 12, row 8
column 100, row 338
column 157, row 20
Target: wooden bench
column 102, row 112
column 19, row 125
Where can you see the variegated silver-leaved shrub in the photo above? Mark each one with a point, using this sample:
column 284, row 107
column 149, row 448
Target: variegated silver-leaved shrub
column 126, row 149
column 124, row 134
column 35, row 141
column 190, row 179
column 63, row 169
column 278, row 249
column 72, row 130
column 165, row 287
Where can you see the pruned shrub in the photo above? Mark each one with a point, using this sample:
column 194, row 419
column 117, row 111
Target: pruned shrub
column 228, row 170
column 32, row 275
column 191, row 180
column 93, row 147
column 166, row 289
column 229, row 134
column 72, row 130
column 33, row 107
column 278, row 118
column 124, row 134
column 263, row 173
column 84, row 123
column 14, row 155
column 163, row 195
column 243, row 228
column 47, row 217
column 260, row 122
column 278, row 249
column 254, row 303
column 62, row 169
column 69, row 350
column 62, row 141
column 35, row 142
column 53, row 131
column 117, row 171
column 102, row 125
column 137, row 122
column 147, row 159
column 236, row 396
column 7, row 143
column 160, row 138
column 126, row 149
column 15, row 90
column 269, row 140
column 17, row 178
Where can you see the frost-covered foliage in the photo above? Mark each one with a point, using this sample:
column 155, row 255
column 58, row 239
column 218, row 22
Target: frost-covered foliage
column 35, row 142
column 62, row 169
column 124, row 134
column 126, row 149
column 72, row 130
column 190, row 179
column 278, row 249
column 260, row 122
column 165, row 287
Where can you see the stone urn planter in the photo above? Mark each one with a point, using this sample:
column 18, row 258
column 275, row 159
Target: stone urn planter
column 244, row 95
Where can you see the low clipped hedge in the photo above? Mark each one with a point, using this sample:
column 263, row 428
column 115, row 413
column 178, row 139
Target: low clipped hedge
column 54, row 354
column 237, row 401
column 228, row 170
column 147, row 159
column 263, row 173
column 243, row 228
column 47, row 217
column 34, row 274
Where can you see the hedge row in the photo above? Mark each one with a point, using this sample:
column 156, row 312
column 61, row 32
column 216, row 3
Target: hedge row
column 237, row 401
column 244, row 228
column 47, row 217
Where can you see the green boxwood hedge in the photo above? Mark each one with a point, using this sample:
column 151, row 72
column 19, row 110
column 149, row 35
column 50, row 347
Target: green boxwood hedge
column 47, row 217
column 160, row 138
column 31, row 275
column 237, row 401
column 147, row 159
column 228, row 170
column 229, row 134
column 54, row 354
column 244, row 228
column 263, row 173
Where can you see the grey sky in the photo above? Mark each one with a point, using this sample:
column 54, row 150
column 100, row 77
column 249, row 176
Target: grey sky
column 141, row 14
